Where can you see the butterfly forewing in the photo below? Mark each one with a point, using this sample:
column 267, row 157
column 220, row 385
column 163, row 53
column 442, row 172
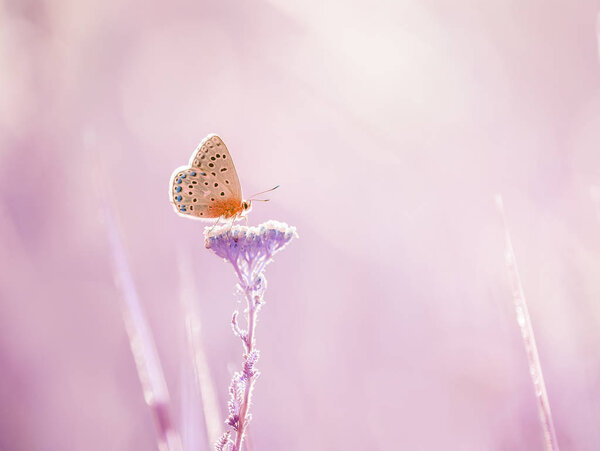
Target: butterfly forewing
column 213, row 158
column 209, row 187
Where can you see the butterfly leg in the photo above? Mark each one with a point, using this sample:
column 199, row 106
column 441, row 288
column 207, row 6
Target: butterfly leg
column 216, row 223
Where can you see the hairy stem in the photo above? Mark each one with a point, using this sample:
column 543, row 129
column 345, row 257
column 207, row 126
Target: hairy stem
column 249, row 345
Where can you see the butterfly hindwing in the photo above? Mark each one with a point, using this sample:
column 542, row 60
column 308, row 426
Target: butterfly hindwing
column 187, row 194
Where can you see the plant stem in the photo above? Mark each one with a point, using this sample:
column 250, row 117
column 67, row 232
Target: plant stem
column 249, row 344
column 142, row 344
column 533, row 358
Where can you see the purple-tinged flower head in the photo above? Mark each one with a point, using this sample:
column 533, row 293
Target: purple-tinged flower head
column 249, row 249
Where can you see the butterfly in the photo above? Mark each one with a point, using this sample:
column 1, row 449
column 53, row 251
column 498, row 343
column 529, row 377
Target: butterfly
column 209, row 186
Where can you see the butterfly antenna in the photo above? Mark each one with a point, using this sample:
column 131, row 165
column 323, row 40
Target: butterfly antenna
column 263, row 192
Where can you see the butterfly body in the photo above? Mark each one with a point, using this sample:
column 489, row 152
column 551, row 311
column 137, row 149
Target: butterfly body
column 209, row 186
column 229, row 208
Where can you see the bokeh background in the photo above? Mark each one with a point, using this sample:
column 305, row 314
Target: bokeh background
column 390, row 126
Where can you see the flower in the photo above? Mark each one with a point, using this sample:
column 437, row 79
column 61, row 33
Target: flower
column 249, row 249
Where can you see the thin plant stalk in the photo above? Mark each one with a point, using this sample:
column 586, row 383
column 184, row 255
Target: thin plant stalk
column 142, row 345
column 524, row 321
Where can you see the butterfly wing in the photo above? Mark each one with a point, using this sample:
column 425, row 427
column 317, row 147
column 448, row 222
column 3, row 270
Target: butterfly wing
column 213, row 158
column 189, row 194
column 209, row 186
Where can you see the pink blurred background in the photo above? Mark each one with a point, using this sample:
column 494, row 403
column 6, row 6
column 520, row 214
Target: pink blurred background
column 390, row 126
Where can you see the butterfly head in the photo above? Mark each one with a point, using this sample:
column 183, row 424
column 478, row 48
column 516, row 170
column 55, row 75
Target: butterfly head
column 246, row 206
